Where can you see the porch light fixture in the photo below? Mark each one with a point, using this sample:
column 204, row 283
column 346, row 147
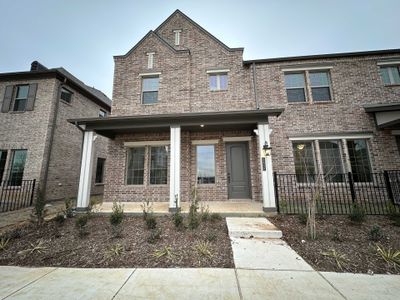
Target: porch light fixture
column 202, row 125
column 300, row 146
column 266, row 150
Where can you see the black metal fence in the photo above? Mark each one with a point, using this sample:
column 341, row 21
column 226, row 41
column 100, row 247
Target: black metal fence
column 379, row 196
column 15, row 196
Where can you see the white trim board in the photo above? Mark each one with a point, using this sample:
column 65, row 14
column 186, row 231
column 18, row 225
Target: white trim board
column 204, row 142
column 149, row 74
column 388, row 62
column 146, row 143
column 236, row 138
column 306, row 68
column 217, row 71
column 331, row 137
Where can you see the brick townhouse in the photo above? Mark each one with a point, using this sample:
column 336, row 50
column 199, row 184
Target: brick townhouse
column 188, row 112
column 36, row 141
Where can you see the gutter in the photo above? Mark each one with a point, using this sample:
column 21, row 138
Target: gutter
column 255, row 86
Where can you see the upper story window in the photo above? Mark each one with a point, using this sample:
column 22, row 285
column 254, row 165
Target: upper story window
column 66, row 95
column 21, row 98
column 177, row 34
column 150, row 60
column 390, row 75
column 218, row 81
column 102, row 113
column 295, row 87
column 150, row 87
column 302, row 85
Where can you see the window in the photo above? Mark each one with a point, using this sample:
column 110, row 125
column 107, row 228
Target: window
column 295, row 87
column 218, row 82
column 135, row 170
column 100, row 170
column 21, row 98
column 158, row 165
column 359, row 160
column 320, row 86
column 66, row 95
column 3, row 159
column 150, row 87
column 17, row 167
column 304, row 161
column 331, row 160
column 102, row 113
column 205, row 164
column 177, row 37
column 150, row 60
column 390, row 75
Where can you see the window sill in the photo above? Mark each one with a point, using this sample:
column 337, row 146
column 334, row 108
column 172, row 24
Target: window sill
column 158, row 185
column 149, row 104
column 99, row 184
column 16, row 112
column 299, row 103
column 392, row 85
column 218, row 91
column 65, row 102
column 323, row 102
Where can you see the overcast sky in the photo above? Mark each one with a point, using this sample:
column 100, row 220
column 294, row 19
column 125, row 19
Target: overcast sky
column 83, row 35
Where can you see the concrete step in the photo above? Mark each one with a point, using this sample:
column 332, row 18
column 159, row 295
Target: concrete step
column 252, row 228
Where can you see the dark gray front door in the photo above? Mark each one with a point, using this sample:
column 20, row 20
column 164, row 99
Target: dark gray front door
column 237, row 162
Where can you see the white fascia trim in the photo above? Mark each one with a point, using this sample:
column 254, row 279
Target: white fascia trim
column 217, row 71
column 331, row 137
column 236, row 139
column 146, row 143
column 204, row 142
column 395, row 132
column 149, row 74
column 306, row 68
column 388, row 62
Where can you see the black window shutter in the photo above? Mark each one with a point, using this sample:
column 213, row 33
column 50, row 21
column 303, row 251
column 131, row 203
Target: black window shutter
column 31, row 96
column 7, row 98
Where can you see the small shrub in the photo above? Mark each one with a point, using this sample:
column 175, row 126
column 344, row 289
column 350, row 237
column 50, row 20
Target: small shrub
column 336, row 235
column 59, row 219
column 340, row 259
column 392, row 211
column 116, row 218
column 151, row 221
column 116, row 250
column 154, row 236
column 357, row 214
column 211, row 236
column 38, row 248
column 14, row 234
column 177, row 219
column 204, row 213
column 147, row 208
column 39, row 210
column 81, row 224
column 193, row 216
column 302, row 218
column 69, row 210
column 215, row 217
column 375, row 234
column 203, row 249
column 4, row 243
column 397, row 221
column 165, row 252
column 392, row 257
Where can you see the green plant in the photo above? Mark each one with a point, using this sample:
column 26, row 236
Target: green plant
column 215, row 217
column 165, row 252
column 376, row 233
column 116, row 250
column 81, row 224
column 203, row 249
column 4, row 243
column 302, row 218
column 397, row 221
column 392, row 212
column 69, row 210
column 39, row 248
column 211, row 236
column 14, row 234
column 151, row 221
column 177, row 219
column 154, row 236
column 59, row 219
column 392, row 257
column 39, row 210
column 147, row 208
column 116, row 218
column 340, row 259
column 193, row 216
column 336, row 235
column 357, row 214
column 204, row 212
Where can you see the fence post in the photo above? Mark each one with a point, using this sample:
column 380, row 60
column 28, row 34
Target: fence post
column 33, row 190
column 388, row 186
column 352, row 190
column 276, row 192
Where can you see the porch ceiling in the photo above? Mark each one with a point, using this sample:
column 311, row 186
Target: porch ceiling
column 387, row 116
column 212, row 121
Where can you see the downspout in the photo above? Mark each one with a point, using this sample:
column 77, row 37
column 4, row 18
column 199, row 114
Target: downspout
column 51, row 139
column 255, row 86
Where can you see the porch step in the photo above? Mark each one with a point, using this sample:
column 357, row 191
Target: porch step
column 252, row 228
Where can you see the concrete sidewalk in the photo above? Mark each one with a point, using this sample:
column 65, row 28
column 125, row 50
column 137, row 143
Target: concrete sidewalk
column 70, row 283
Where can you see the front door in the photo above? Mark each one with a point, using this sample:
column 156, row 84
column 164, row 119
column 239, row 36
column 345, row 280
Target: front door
column 237, row 162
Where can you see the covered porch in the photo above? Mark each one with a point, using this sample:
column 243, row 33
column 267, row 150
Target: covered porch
column 240, row 138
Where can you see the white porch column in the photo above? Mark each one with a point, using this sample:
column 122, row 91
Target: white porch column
column 267, row 179
column 175, row 169
column 85, row 178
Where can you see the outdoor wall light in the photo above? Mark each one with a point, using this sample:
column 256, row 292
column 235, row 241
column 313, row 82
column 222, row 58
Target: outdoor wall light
column 300, row 146
column 202, row 125
column 266, row 150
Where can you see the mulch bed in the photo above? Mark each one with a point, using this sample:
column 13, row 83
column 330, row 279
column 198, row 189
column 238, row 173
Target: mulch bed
column 65, row 248
column 345, row 237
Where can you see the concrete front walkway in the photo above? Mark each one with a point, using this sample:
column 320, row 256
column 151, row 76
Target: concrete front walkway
column 71, row 283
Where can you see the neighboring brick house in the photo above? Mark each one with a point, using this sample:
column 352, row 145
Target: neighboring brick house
column 36, row 141
column 189, row 112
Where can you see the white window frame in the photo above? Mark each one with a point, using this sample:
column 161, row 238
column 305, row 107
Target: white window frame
column 391, row 79
column 150, row 60
column 218, row 77
column 320, row 86
column 215, row 163
column 177, row 33
column 303, row 72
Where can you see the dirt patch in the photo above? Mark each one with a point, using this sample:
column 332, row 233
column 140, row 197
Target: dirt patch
column 350, row 241
column 64, row 248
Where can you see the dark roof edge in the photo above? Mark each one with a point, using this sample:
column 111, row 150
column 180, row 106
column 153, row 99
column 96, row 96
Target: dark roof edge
column 381, row 107
column 331, row 55
column 57, row 74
